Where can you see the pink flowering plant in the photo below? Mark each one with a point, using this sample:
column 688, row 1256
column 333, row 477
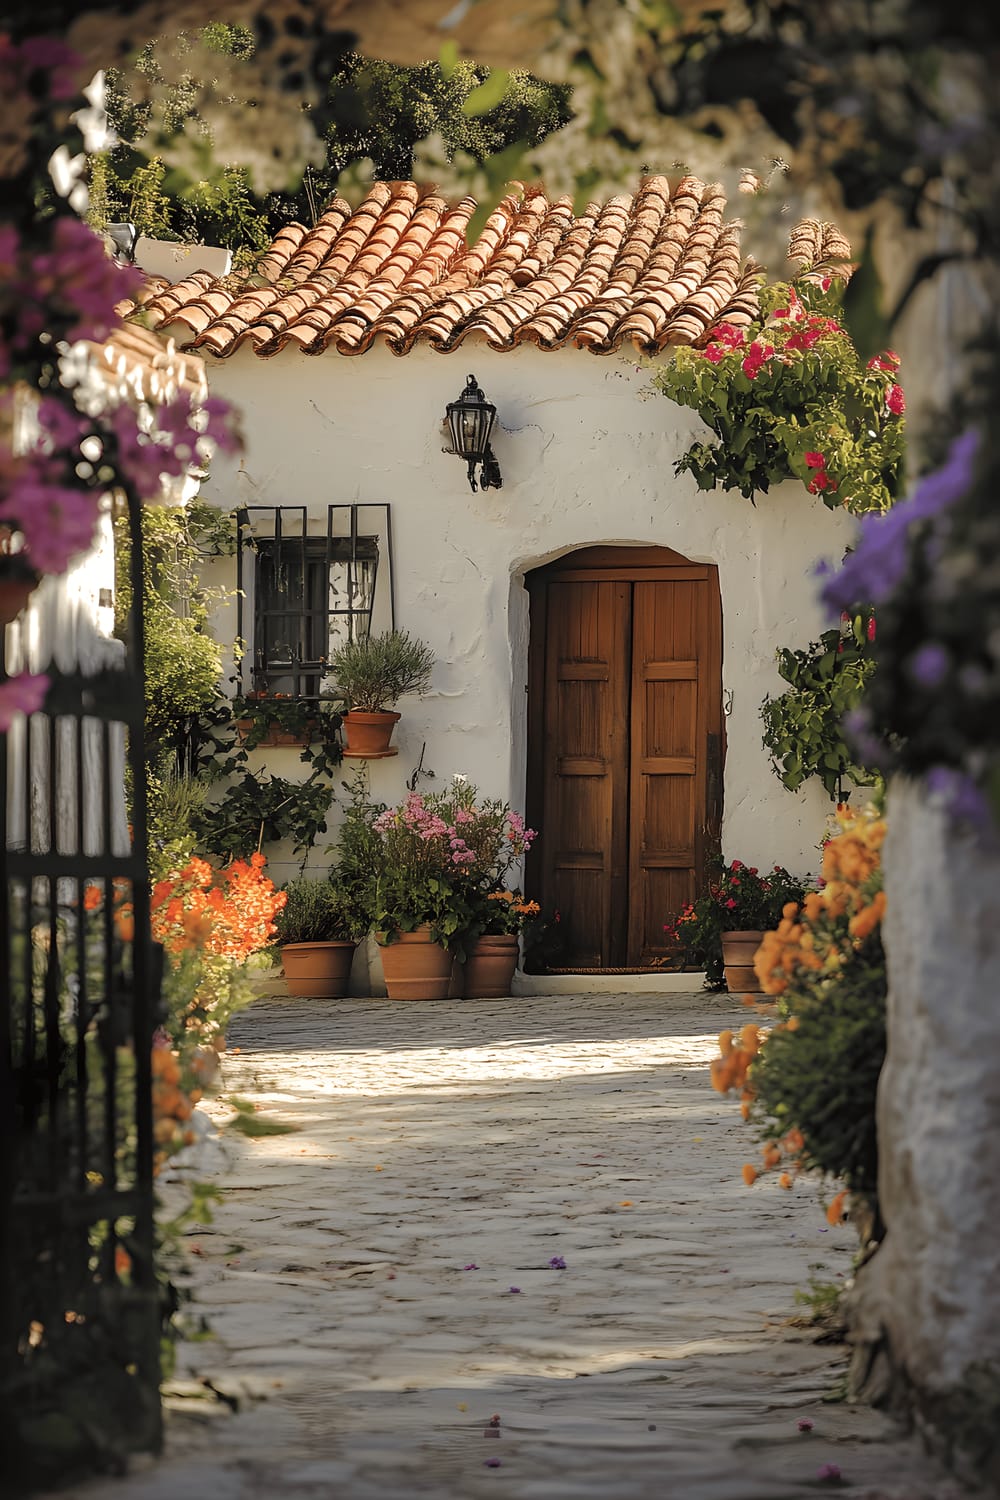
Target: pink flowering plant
column 739, row 899
column 788, row 397
column 78, row 438
column 438, row 859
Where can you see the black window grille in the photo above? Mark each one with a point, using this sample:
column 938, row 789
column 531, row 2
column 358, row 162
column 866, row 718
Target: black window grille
column 305, row 591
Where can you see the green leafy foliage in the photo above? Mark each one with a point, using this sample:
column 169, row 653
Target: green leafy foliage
column 358, row 855
column 247, row 1121
column 374, row 111
column 812, row 1085
column 258, row 808
column 804, row 727
column 789, row 398
column 183, row 663
column 822, row 1076
column 246, row 806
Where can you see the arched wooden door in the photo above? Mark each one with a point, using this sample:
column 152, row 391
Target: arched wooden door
column 625, row 745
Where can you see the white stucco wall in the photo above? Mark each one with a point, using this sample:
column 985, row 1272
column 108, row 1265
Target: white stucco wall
column 585, row 460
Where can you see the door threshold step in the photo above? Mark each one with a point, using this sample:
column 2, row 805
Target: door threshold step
column 638, row 969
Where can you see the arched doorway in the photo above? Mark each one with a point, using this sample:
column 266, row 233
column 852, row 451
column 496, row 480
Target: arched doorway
column 625, row 746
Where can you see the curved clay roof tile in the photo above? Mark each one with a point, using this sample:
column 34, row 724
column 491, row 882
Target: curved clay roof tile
column 657, row 268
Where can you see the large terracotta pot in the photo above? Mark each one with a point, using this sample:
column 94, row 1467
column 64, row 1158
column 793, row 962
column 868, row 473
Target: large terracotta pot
column 415, row 968
column 738, row 949
column 368, row 735
column 317, row 971
column 490, row 966
column 14, row 595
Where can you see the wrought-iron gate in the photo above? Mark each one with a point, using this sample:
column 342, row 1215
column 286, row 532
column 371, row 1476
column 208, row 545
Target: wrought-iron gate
column 79, row 996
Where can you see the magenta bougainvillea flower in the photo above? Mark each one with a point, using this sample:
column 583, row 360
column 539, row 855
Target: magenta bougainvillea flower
column 24, row 694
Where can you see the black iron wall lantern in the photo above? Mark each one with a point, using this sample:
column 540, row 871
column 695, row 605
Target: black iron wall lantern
column 471, row 420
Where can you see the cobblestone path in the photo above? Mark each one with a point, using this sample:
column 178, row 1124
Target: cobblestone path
column 378, row 1283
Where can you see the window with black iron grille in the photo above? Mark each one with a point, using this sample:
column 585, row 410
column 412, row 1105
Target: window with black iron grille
column 305, row 591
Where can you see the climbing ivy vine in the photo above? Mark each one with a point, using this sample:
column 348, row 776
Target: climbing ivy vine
column 804, row 727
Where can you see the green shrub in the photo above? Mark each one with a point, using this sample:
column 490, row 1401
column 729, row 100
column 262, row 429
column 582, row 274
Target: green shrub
column 358, row 855
column 373, row 673
column 313, row 913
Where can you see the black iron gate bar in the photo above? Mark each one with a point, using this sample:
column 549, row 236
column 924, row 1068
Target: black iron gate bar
column 79, row 1305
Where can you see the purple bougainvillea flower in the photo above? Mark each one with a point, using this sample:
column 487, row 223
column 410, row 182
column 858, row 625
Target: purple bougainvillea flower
column 829, row 1472
column 23, row 694
column 876, row 566
column 471, row 1266
column 514, row 1289
column 929, row 664
column 965, row 801
column 557, row 1263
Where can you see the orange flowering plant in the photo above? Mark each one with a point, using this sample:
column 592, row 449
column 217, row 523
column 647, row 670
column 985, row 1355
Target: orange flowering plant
column 211, row 923
column 810, row 1080
column 505, row 912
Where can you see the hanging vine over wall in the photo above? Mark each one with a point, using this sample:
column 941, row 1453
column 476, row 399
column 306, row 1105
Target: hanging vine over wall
column 804, row 726
column 790, row 398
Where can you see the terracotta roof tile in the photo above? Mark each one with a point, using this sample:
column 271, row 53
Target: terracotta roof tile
column 820, row 249
column 657, row 268
column 148, row 367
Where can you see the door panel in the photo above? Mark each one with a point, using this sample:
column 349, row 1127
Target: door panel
column 673, row 670
column 585, row 777
column 625, row 741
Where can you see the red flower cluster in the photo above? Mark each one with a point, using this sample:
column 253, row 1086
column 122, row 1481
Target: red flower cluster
column 895, row 400
column 821, row 480
column 757, row 356
column 888, row 361
column 814, row 329
column 724, row 338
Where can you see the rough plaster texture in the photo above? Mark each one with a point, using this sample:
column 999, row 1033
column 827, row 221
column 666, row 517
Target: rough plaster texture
column 931, row 1289
column 585, row 460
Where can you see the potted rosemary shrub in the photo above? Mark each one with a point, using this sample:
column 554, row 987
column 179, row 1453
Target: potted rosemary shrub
column 372, row 674
column 316, row 935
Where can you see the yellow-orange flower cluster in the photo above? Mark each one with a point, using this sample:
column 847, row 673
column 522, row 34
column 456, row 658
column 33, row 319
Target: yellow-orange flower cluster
column 177, row 1087
column 229, row 913
column 810, row 939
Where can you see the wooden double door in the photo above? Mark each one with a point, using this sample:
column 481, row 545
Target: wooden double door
column 625, row 746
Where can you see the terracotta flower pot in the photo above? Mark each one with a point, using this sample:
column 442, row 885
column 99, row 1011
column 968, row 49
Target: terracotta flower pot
column 415, row 968
column 368, row 735
column 14, row 595
column 317, row 971
column 490, row 966
column 738, row 949
column 276, row 735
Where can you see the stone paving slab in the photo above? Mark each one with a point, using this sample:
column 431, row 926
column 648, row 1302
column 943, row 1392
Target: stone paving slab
column 367, row 1361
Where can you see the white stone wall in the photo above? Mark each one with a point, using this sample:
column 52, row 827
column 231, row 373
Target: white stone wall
column 585, row 460
column 932, row 1288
